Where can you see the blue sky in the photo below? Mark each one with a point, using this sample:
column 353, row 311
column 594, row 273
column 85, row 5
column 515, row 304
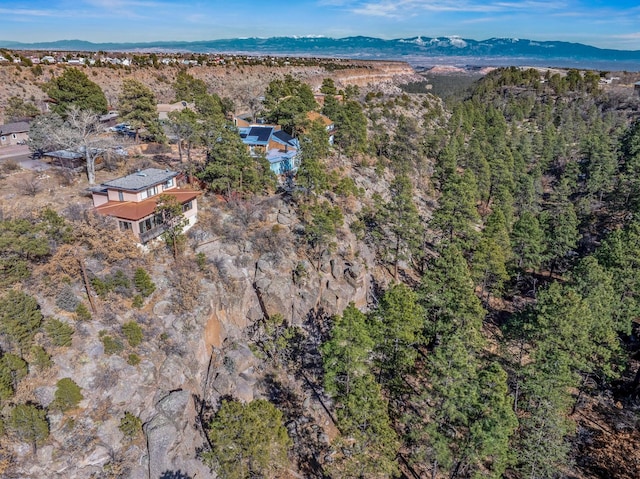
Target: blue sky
column 606, row 24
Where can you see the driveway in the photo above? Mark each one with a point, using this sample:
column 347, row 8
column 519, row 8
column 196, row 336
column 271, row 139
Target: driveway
column 22, row 155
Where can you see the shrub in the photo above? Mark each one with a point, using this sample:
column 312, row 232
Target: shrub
column 67, row 300
column 201, row 261
column 133, row 332
column 133, row 359
column 82, row 313
column 68, row 395
column 41, row 358
column 20, row 318
column 143, row 282
column 111, row 345
column 59, row 332
column 130, row 425
column 137, row 302
column 12, row 370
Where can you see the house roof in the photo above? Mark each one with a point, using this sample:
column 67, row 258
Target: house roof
column 285, row 138
column 135, row 211
column 276, row 156
column 17, row 127
column 141, row 180
column 314, row 116
column 256, row 135
column 64, row 154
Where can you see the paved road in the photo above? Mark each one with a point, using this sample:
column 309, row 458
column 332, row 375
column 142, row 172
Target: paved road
column 21, row 155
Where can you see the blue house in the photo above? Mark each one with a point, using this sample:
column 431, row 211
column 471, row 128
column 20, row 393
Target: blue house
column 277, row 146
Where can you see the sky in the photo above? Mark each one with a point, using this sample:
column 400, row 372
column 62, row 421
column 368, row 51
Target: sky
column 601, row 23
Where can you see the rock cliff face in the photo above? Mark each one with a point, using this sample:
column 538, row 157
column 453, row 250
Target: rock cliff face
column 239, row 83
column 191, row 358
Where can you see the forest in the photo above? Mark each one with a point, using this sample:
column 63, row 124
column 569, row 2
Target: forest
column 500, row 338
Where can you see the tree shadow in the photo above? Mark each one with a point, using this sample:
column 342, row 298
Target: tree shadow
column 174, row 475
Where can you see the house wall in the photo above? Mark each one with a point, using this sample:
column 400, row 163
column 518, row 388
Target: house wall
column 191, row 215
column 137, row 197
column 99, row 199
column 8, row 139
column 126, row 196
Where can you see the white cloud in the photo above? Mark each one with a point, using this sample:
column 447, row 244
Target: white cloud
column 404, row 8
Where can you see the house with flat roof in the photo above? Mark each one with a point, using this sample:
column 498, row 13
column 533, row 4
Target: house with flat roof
column 131, row 201
column 14, row 133
column 277, row 146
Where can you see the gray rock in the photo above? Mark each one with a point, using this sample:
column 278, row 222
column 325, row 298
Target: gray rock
column 99, row 456
column 174, row 405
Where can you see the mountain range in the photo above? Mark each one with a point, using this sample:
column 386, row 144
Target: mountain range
column 418, row 51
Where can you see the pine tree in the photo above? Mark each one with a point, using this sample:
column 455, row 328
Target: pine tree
column 346, row 356
column 12, row 370
column 399, row 223
column 368, row 445
column 448, row 297
column 397, row 323
column 29, row 423
column 248, row 440
column 137, row 106
column 143, row 282
column 133, row 332
column 68, row 394
column 59, row 333
column 73, row 88
column 527, row 241
column 20, row 318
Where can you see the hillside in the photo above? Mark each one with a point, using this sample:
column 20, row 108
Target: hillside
column 449, row 290
column 241, row 83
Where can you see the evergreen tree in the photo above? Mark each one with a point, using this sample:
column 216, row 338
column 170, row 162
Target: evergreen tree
column 527, row 241
column 346, row 355
column 456, row 213
column 20, row 318
column 186, row 128
column 143, row 282
column 73, row 88
column 29, row 423
column 188, row 88
column 248, row 440
column 397, row 324
column 351, row 127
column 492, row 254
column 229, row 167
column 59, row 333
column 312, row 173
column 138, row 107
column 68, row 395
column 400, row 225
column 368, row 445
column 12, row 370
column 169, row 210
column 448, row 297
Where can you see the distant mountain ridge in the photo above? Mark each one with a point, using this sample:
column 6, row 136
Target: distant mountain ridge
column 418, row 51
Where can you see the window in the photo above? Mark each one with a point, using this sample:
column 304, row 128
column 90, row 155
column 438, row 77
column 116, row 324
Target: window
column 124, row 225
column 150, row 192
column 120, row 196
column 187, row 206
column 150, row 223
column 169, row 183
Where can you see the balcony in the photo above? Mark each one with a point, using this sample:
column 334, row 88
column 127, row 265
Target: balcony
column 152, row 234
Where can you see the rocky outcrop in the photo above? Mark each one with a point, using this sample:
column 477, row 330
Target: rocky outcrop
column 172, row 438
